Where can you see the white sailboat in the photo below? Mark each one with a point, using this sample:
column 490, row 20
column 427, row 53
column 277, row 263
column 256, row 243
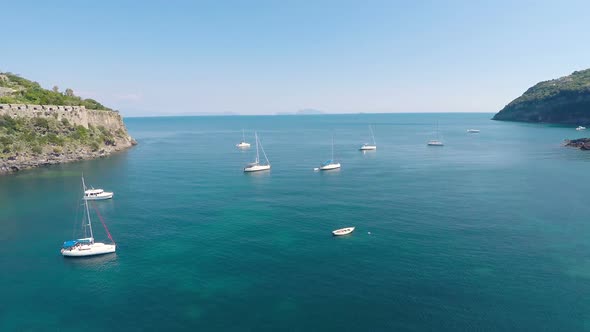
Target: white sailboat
column 329, row 164
column 435, row 142
column 256, row 166
column 368, row 146
column 243, row 144
column 86, row 246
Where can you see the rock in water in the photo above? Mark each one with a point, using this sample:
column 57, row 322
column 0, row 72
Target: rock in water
column 581, row 143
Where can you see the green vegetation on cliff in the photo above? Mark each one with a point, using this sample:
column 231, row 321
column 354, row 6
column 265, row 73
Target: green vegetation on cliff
column 38, row 135
column 17, row 90
column 564, row 100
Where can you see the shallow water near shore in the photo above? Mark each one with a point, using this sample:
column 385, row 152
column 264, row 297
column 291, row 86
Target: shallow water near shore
column 488, row 233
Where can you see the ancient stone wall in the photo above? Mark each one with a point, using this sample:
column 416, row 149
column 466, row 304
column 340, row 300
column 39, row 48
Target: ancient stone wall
column 77, row 115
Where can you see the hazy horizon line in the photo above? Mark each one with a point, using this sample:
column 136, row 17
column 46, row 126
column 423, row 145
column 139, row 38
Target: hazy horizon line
column 295, row 114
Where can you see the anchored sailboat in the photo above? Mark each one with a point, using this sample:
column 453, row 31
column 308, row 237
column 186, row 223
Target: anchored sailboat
column 329, row 164
column 435, row 142
column 86, row 246
column 243, row 144
column 368, row 146
column 256, row 166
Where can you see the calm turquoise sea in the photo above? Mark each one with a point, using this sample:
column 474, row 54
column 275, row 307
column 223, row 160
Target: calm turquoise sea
column 489, row 233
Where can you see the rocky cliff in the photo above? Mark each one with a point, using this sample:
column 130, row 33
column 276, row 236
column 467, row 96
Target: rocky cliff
column 565, row 100
column 36, row 135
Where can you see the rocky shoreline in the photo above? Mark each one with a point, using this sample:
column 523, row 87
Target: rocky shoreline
column 24, row 161
column 580, row 143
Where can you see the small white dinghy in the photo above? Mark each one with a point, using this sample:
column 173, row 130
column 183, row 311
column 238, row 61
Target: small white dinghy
column 97, row 194
column 343, row 231
column 473, row 131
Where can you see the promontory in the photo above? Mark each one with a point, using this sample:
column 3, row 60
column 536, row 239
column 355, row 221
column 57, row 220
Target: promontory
column 43, row 127
column 565, row 100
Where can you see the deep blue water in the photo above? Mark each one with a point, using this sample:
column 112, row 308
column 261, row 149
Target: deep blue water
column 489, row 233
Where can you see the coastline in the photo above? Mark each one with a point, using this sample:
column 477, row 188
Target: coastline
column 25, row 161
column 65, row 134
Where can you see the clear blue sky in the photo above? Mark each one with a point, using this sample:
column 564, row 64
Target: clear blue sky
column 263, row 57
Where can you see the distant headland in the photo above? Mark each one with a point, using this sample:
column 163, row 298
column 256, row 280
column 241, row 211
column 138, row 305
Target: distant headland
column 565, row 100
column 43, row 127
column 305, row 111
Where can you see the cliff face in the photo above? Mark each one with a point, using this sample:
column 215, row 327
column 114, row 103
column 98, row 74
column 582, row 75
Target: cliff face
column 565, row 100
column 36, row 135
column 76, row 115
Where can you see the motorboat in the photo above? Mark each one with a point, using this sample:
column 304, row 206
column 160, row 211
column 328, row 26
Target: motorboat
column 473, row 131
column 580, row 128
column 97, row 194
column 343, row 231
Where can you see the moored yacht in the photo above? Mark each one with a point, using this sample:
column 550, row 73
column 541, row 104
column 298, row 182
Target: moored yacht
column 96, row 194
column 368, row 146
column 86, row 246
column 243, row 144
column 256, row 166
column 580, row 128
column 435, row 142
column 329, row 164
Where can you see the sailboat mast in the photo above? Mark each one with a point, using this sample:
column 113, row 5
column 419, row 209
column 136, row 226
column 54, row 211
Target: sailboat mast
column 372, row 135
column 257, row 155
column 332, row 148
column 87, row 211
column 243, row 136
column 437, row 130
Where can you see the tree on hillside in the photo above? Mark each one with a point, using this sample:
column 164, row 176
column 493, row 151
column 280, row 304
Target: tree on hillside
column 69, row 92
column 55, row 88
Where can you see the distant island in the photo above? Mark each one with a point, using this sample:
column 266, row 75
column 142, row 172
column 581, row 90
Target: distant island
column 305, row 111
column 565, row 100
column 43, row 127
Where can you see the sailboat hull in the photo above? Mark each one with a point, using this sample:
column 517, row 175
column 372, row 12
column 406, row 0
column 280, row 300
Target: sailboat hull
column 435, row 143
column 94, row 249
column 98, row 197
column 257, row 168
column 329, row 167
column 368, row 147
